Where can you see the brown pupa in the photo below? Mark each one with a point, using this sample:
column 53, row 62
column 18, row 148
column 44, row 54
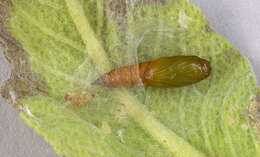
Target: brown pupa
column 164, row 72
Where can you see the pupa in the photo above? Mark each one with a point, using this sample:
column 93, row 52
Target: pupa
column 166, row 72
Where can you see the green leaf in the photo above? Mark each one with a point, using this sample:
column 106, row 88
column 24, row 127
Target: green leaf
column 70, row 43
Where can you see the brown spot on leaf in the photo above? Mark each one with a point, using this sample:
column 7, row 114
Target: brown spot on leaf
column 208, row 28
column 79, row 98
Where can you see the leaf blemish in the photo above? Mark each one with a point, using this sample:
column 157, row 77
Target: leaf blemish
column 208, row 28
column 79, row 98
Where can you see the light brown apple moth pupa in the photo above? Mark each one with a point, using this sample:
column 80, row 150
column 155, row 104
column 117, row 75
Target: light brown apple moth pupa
column 164, row 72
